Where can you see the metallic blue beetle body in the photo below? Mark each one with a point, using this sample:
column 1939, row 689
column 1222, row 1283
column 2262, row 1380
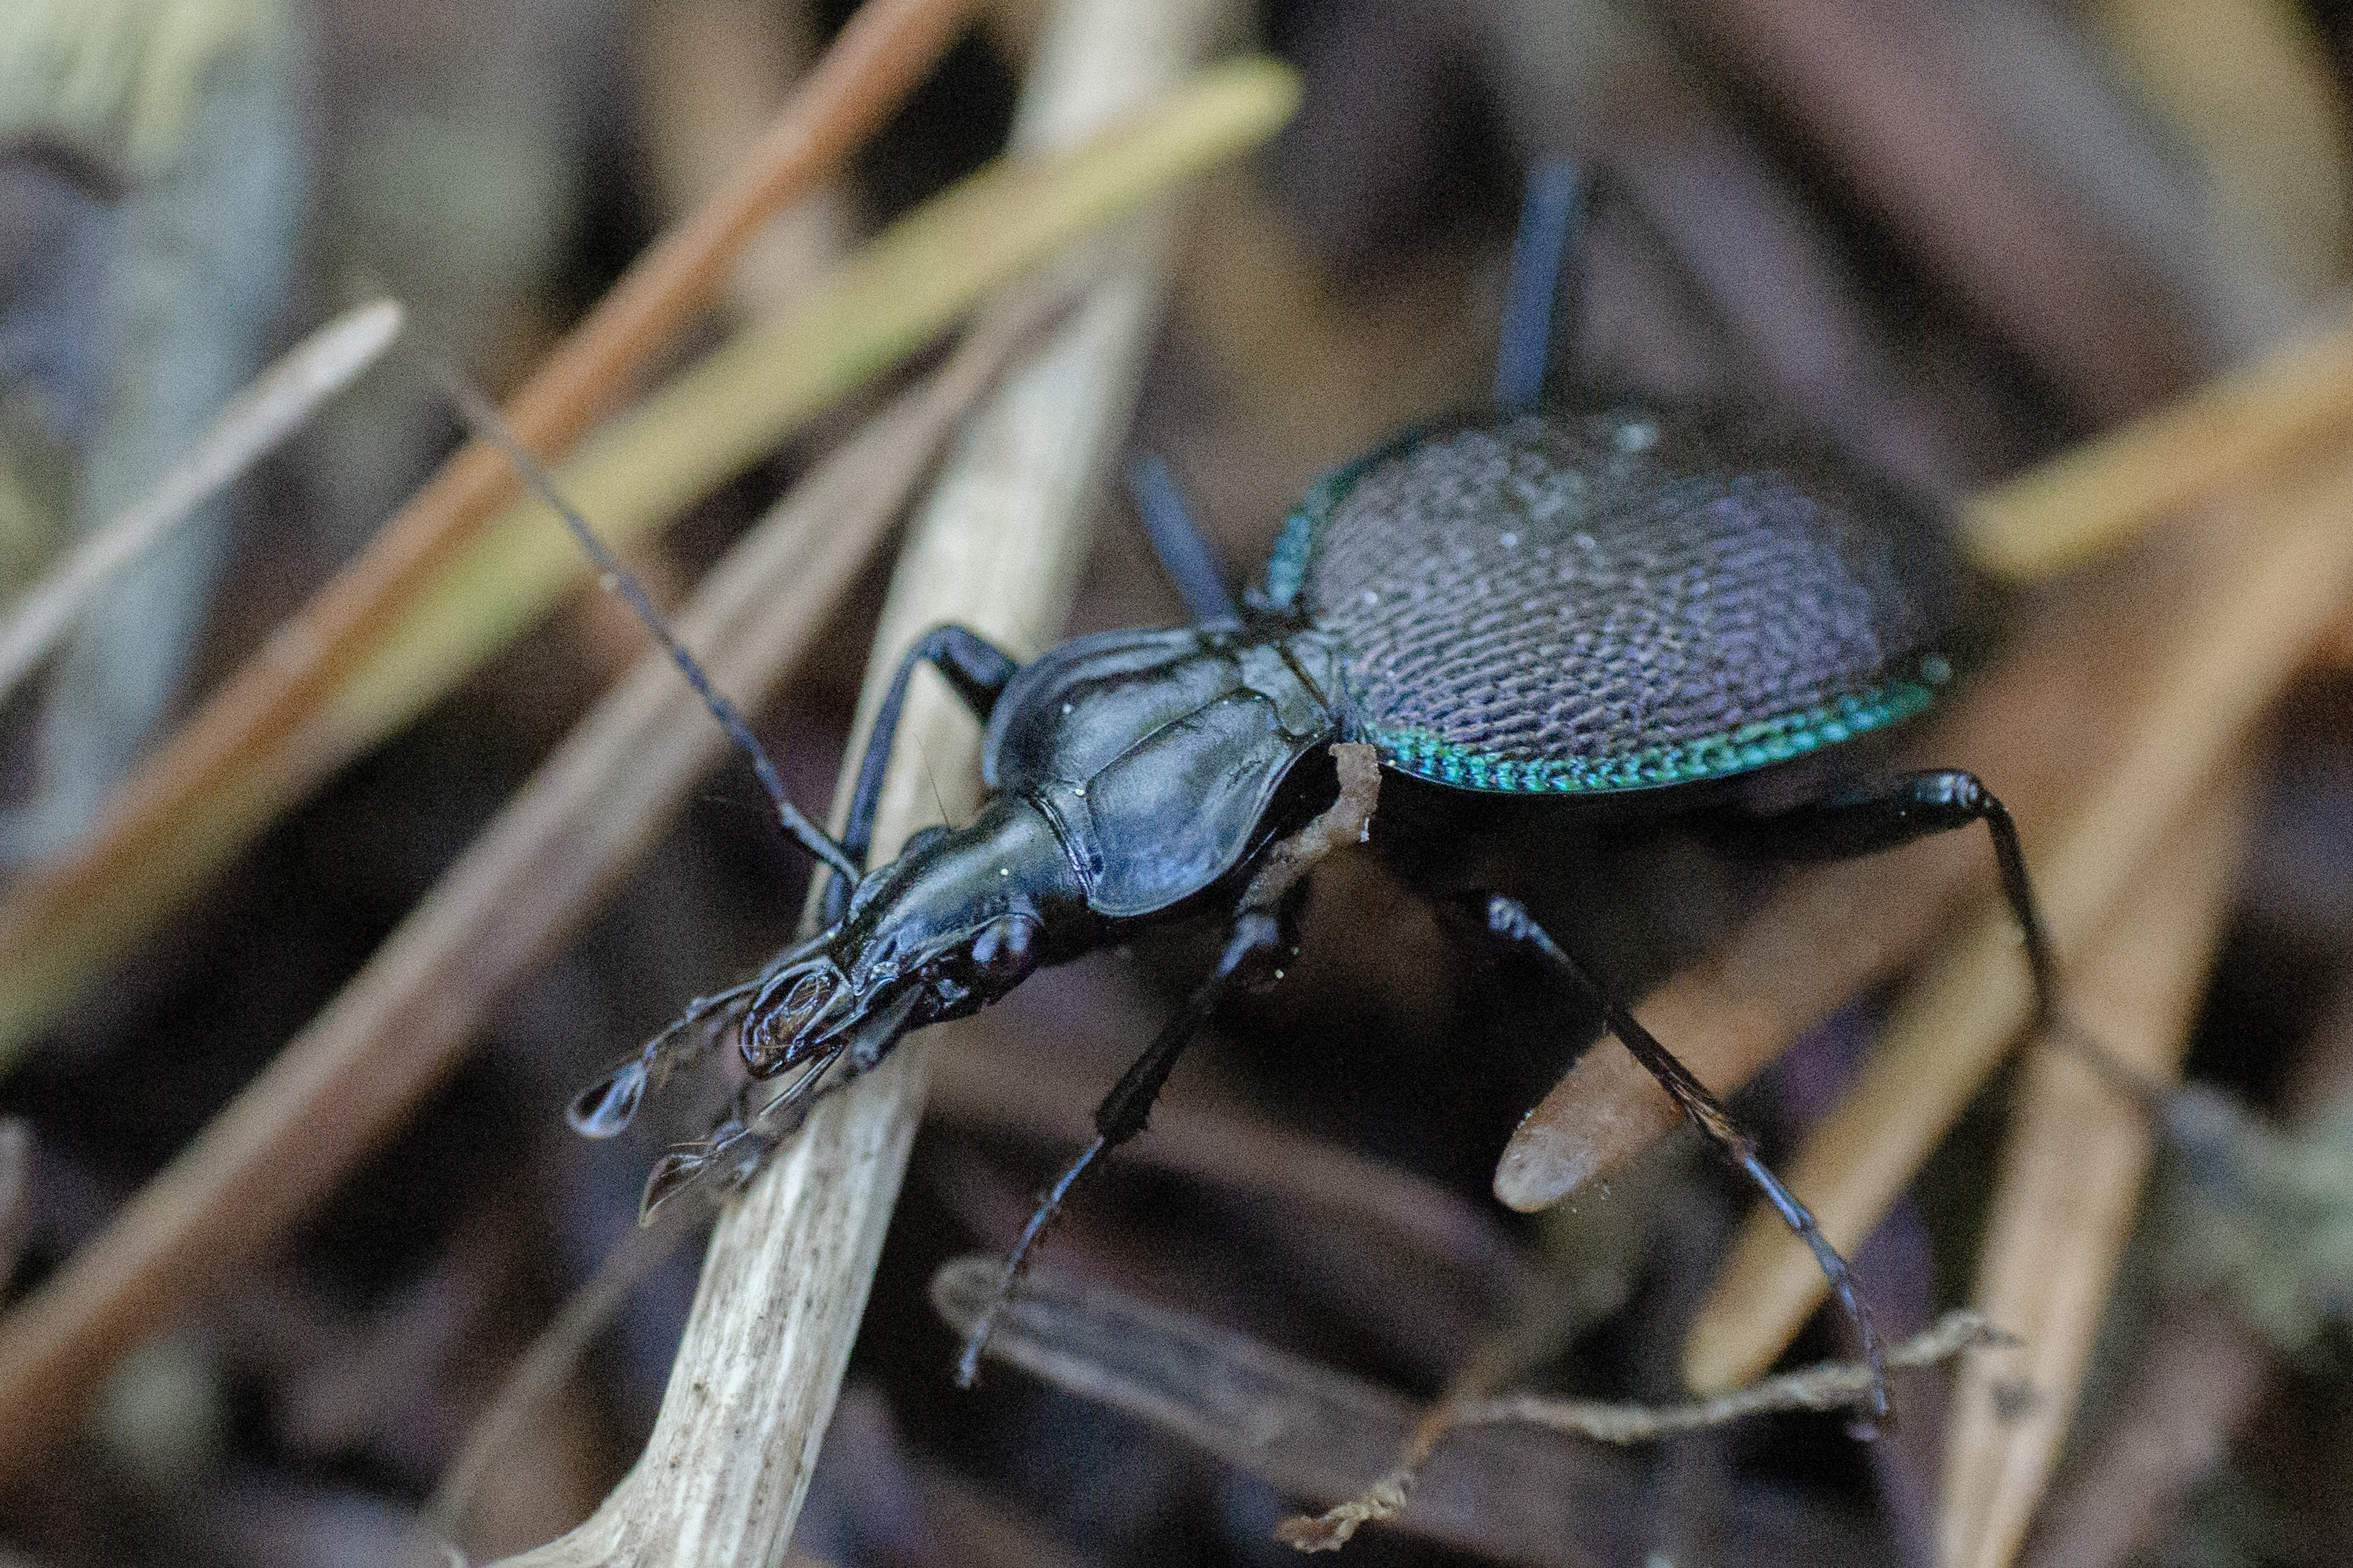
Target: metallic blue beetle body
column 1623, row 605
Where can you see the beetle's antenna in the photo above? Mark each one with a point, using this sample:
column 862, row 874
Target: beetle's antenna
column 615, row 578
column 1551, row 212
column 1178, row 539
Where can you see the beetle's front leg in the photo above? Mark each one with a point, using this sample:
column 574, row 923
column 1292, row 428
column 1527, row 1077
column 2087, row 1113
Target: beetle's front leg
column 1256, row 938
column 1507, row 921
column 978, row 671
column 1253, row 950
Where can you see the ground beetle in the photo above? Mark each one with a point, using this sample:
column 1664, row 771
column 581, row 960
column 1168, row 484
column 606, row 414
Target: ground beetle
column 1615, row 606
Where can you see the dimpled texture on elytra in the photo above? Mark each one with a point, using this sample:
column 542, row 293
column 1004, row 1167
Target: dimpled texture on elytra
column 1611, row 599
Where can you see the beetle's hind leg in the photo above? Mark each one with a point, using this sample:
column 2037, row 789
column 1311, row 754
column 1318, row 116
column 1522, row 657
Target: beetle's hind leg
column 1507, row 920
column 1894, row 812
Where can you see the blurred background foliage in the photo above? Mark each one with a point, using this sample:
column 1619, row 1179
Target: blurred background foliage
column 1952, row 238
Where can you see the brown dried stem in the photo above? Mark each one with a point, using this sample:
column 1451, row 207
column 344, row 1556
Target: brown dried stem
column 2071, row 1183
column 998, row 549
column 2252, row 628
column 404, row 1021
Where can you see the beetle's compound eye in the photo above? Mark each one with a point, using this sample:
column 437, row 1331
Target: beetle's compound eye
column 1005, row 951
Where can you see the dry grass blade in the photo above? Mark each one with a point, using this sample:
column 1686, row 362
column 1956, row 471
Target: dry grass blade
column 2097, row 496
column 2250, row 631
column 2070, row 1186
column 998, row 548
column 397, row 1028
column 896, row 294
column 272, row 408
column 221, row 750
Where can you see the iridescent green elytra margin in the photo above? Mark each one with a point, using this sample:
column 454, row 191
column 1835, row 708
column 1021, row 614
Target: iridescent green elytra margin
column 1753, row 745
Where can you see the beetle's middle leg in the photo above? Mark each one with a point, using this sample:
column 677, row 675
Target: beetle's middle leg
column 1508, row 921
column 1251, row 950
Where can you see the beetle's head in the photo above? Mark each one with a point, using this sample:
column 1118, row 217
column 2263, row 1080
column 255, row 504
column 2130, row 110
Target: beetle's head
column 958, row 920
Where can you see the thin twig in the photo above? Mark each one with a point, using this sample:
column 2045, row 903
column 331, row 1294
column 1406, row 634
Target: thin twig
column 1831, row 1385
column 998, row 548
column 403, row 1022
column 2243, row 636
column 272, row 408
column 2070, row 1186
